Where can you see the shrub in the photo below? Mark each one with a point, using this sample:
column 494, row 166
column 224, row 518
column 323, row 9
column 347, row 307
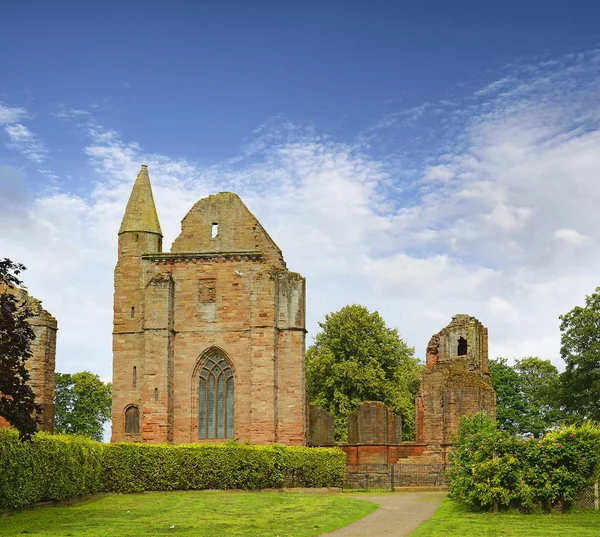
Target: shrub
column 139, row 467
column 492, row 469
column 62, row 467
column 49, row 467
column 315, row 467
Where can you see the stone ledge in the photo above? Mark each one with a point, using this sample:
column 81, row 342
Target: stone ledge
column 169, row 257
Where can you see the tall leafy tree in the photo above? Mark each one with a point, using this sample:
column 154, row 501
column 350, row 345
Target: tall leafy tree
column 539, row 387
column 510, row 405
column 525, row 395
column 82, row 404
column 580, row 349
column 355, row 358
column 17, row 400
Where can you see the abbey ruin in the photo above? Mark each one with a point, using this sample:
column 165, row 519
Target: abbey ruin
column 208, row 339
column 454, row 383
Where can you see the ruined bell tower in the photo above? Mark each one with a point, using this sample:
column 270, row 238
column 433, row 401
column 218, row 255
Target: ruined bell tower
column 455, row 381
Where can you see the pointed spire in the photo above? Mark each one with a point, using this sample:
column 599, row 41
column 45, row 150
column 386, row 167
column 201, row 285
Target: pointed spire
column 140, row 214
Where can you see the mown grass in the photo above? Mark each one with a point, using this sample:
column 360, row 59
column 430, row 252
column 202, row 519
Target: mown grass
column 195, row 514
column 452, row 520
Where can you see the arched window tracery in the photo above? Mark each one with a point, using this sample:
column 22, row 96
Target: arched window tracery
column 215, row 399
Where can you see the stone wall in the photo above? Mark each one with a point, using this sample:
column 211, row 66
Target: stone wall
column 321, row 427
column 374, row 423
column 42, row 362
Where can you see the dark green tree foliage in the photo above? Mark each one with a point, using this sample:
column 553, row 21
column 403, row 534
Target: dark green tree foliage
column 539, row 386
column 525, row 395
column 17, row 400
column 510, row 405
column 358, row 358
column 580, row 349
column 82, row 404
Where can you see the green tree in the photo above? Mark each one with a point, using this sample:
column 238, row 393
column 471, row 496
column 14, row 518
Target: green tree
column 525, row 395
column 580, row 349
column 17, row 400
column 82, row 404
column 539, row 386
column 510, row 405
column 355, row 358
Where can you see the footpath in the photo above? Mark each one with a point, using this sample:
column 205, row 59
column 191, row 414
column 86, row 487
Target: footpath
column 398, row 515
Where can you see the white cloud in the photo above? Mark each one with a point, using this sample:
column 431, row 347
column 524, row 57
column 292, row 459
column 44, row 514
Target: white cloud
column 25, row 141
column 11, row 114
column 572, row 237
column 492, row 223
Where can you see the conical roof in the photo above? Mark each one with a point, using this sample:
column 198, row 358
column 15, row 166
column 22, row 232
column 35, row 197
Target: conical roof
column 140, row 214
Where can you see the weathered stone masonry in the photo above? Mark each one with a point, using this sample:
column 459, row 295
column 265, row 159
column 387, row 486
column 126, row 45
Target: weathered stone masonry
column 212, row 331
column 455, row 381
column 42, row 362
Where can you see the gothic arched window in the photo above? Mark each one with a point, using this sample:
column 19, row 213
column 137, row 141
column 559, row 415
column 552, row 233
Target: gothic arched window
column 215, row 399
column 132, row 420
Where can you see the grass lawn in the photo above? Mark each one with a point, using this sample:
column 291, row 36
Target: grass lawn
column 451, row 520
column 197, row 514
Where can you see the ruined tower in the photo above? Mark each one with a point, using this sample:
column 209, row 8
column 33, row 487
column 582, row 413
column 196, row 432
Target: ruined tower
column 209, row 338
column 43, row 358
column 42, row 363
column 455, row 381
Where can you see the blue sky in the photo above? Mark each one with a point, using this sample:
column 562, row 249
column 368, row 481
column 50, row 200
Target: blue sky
column 423, row 160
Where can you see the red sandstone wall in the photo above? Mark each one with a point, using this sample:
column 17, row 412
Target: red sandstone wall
column 259, row 327
column 382, row 453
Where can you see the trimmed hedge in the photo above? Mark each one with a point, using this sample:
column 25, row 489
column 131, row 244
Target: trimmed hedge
column 62, row 467
column 50, row 467
column 138, row 467
column 314, row 467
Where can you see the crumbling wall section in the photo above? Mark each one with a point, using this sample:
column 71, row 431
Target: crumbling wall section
column 41, row 365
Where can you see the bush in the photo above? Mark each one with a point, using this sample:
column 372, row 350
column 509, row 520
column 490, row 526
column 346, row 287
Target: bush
column 492, row 469
column 314, row 467
column 49, row 467
column 139, row 467
column 62, row 467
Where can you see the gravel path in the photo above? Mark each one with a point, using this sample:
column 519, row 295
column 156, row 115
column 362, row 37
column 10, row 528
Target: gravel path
column 398, row 515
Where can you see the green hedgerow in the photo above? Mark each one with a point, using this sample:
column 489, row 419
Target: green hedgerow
column 62, row 467
column 49, row 467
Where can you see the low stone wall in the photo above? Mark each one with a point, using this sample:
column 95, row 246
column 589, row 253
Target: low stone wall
column 357, row 454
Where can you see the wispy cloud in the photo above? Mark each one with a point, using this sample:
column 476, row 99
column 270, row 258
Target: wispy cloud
column 11, row 114
column 496, row 219
column 23, row 140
